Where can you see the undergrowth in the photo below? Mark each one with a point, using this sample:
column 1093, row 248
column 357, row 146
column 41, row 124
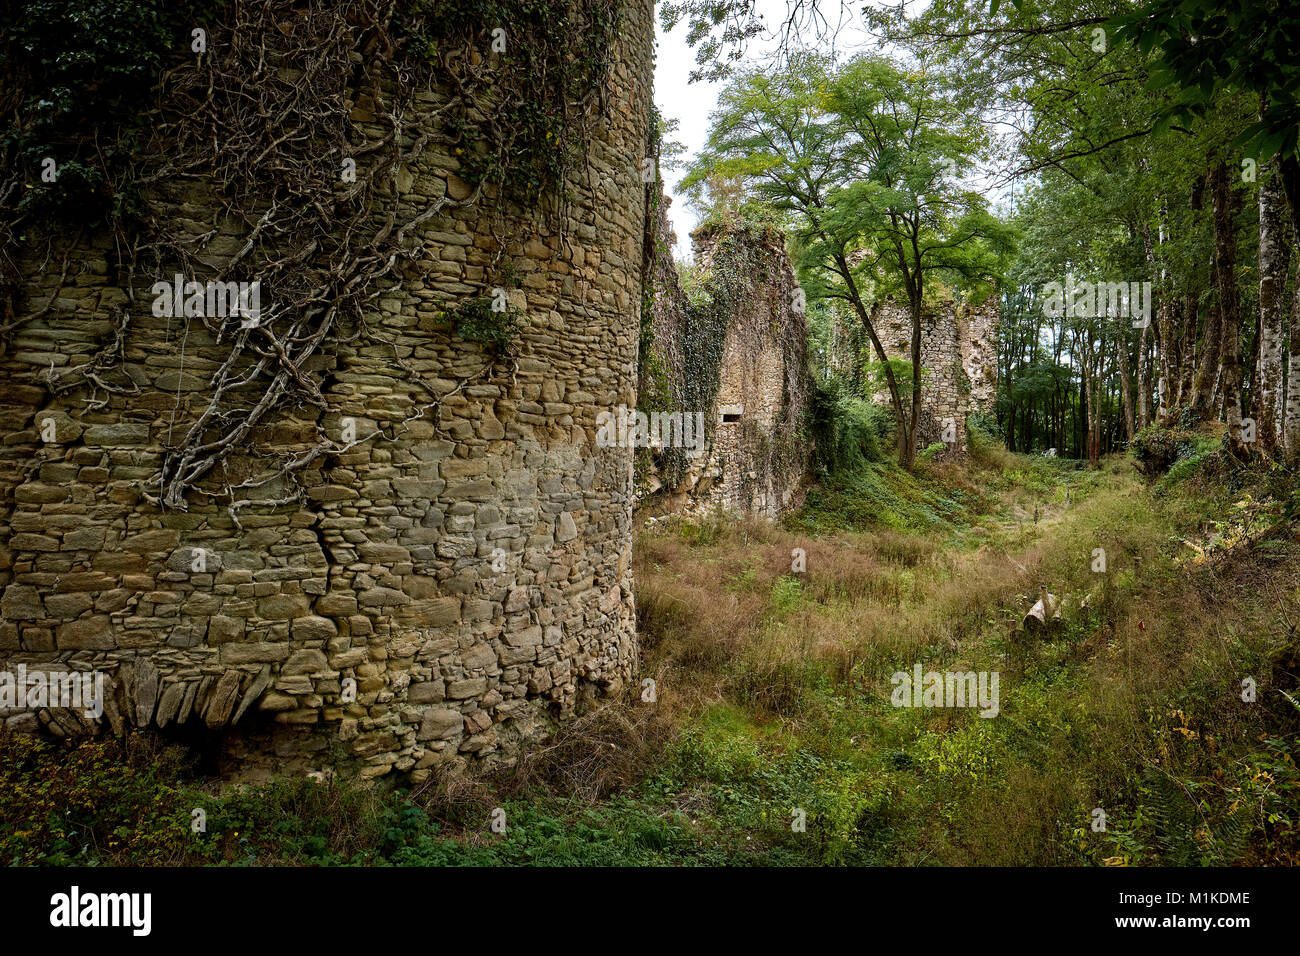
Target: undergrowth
column 773, row 740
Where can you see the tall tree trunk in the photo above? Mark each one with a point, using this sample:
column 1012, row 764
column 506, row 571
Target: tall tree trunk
column 1061, row 410
column 1143, row 357
column 1291, row 422
column 1274, row 260
column 855, row 299
column 915, row 308
column 1225, row 252
column 1288, row 170
column 1187, row 347
column 1092, row 392
column 1126, row 389
column 1168, row 316
column 1080, row 422
column 1094, row 421
column 1200, row 401
column 1144, row 377
column 1250, row 369
column 1185, row 333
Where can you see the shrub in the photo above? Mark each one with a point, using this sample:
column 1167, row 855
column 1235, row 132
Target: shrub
column 848, row 432
column 78, row 803
column 477, row 321
column 1156, row 449
column 983, row 425
column 932, row 451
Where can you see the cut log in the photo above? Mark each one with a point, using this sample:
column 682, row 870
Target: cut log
column 1047, row 609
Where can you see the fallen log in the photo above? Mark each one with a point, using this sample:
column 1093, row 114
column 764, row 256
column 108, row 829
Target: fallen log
column 1047, row 610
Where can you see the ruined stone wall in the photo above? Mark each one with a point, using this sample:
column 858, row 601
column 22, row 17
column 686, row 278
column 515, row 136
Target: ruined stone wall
column 977, row 338
column 958, row 355
column 756, row 458
column 468, row 569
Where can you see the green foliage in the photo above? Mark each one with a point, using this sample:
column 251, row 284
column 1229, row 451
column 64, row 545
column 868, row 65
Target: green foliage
column 1207, row 47
column 655, row 392
column 1119, row 110
column 1156, row 449
column 717, row 31
column 880, row 495
column 520, row 124
column 1199, row 460
column 703, row 531
column 874, row 146
column 795, row 732
column 476, row 321
column 1189, row 830
column 862, row 159
column 858, row 487
column 960, row 378
column 848, row 432
column 875, row 381
column 714, row 297
column 787, row 594
column 983, row 424
column 620, row 832
column 667, row 152
column 932, row 451
column 74, row 804
column 753, row 788
column 79, row 67
column 84, row 67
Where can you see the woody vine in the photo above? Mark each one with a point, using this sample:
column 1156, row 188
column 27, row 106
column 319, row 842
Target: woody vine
column 296, row 121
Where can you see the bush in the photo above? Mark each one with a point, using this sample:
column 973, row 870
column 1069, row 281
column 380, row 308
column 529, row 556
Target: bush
column 983, row 425
column 77, row 67
column 1157, row 449
column 91, row 801
column 477, row 321
column 848, row 432
column 932, row 451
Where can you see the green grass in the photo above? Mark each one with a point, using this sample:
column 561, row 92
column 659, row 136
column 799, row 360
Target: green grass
column 774, row 706
column 881, row 495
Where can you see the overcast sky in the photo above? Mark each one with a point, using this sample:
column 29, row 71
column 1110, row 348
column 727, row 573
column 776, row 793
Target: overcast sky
column 691, row 103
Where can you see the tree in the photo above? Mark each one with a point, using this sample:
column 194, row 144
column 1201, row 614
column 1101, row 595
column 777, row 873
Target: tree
column 863, row 159
column 1211, row 46
column 1138, row 127
column 1207, row 48
column 1274, row 258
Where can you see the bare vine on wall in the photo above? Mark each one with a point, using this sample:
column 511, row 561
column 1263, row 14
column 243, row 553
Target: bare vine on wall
column 317, row 242
column 266, row 121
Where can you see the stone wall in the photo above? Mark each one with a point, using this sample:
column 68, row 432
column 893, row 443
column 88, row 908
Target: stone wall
column 466, row 572
column 756, row 459
column 958, row 356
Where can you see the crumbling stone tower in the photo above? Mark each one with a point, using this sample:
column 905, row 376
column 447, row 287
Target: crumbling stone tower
column 439, row 587
column 958, row 354
column 737, row 357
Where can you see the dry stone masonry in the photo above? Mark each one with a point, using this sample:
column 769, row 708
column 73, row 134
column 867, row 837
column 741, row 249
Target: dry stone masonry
column 439, row 592
column 958, row 358
column 735, row 351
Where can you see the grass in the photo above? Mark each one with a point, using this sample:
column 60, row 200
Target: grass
column 1132, row 705
column 773, row 703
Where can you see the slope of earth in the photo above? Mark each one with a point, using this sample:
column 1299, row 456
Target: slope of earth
column 1162, row 705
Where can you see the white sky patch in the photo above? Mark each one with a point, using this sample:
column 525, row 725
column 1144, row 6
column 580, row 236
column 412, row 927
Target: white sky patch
column 692, row 103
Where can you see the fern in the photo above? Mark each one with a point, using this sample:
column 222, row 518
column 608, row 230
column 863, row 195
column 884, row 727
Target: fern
column 1190, row 830
column 1173, row 817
